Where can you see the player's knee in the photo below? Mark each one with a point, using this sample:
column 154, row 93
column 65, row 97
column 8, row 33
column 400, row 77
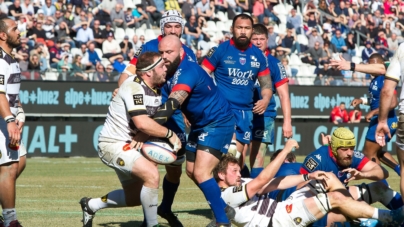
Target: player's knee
column 190, row 173
column 9, row 171
column 201, row 175
column 336, row 198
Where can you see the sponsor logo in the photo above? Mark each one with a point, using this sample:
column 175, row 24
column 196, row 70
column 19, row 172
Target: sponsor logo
column 318, row 156
column 201, row 137
column 242, row 61
column 2, row 79
column 289, row 208
column 247, row 136
column 393, row 125
column 311, row 164
column 238, row 189
column 191, row 144
column 234, row 72
column 225, row 147
column 138, row 51
column 261, row 133
column 138, row 99
column 211, row 51
column 255, row 64
column 358, row 155
column 297, row 220
column 126, row 147
column 120, row 162
column 253, row 58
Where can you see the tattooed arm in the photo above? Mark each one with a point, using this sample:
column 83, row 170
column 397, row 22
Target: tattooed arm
column 167, row 109
column 266, row 92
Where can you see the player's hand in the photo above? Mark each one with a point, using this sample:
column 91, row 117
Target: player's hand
column 369, row 116
column 341, row 63
column 14, row 133
column 318, row 175
column 352, row 174
column 290, row 144
column 115, row 92
column 356, row 102
column 176, row 142
column 20, row 124
column 381, row 131
column 186, row 122
column 138, row 140
column 287, row 130
column 326, row 139
column 260, row 106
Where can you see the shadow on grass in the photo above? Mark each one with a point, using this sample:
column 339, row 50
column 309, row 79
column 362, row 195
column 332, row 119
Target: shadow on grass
column 127, row 224
column 207, row 213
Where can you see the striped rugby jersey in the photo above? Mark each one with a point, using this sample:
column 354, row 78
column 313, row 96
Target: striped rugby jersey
column 134, row 98
column 10, row 79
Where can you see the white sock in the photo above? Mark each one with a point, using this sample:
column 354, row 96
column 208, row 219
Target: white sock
column 9, row 215
column 111, row 200
column 149, row 200
column 382, row 215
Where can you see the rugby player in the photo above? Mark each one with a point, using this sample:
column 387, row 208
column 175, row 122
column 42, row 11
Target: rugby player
column 263, row 129
column 129, row 113
column 171, row 23
column 12, row 152
column 237, row 64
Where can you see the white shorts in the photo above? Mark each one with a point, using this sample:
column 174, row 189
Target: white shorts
column 119, row 157
column 6, row 153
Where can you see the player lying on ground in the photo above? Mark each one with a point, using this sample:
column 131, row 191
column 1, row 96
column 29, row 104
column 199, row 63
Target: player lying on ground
column 253, row 206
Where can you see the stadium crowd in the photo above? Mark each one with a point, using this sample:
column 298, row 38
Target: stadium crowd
column 93, row 40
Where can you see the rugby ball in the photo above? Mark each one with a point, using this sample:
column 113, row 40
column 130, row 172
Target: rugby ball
column 158, row 151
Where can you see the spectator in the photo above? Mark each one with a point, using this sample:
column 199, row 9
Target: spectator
column 315, row 55
column 85, row 61
column 339, row 114
column 4, row 7
column 202, row 9
column 77, row 72
column 291, row 73
column 335, row 76
column 136, row 43
column 100, row 75
column 242, row 6
column 118, row 17
column 103, row 11
column 111, row 74
column 355, row 115
column 295, row 21
column 393, row 43
column 258, row 10
column 65, row 50
column 281, row 53
column 352, row 8
column 173, row 4
column 339, row 42
column 40, row 16
column 87, row 6
column 141, row 17
column 220, row 5
column 63, row 33
column 127, row 48
column 117, row 63
column 49, row 9
column 59, row 17
column 322, row 74
column 22, row 26
column 272, row 37
column 36, row 33
column 314, row 37
column 111, row 47
column 188, row 9
column 387, row 29
column 93, row 55
column 68, row 18
column 107, row 31
column 15, row 10
column 382, row 50
column 129, row 18
column 98, row 34
column 26, row 7
column 55, row 54
column 270, row 13
column 34, row 63
column 289, row 41
column 199, row 56
column 49, row 28
column 84, row 35
column 365, row 10
column 367, row 51
column 153, row 14
column 192, row 32
column 160, row 6
column 80, row 18
column 64, row 68
column 350, row 44
column 312, row 18
column 341, row 9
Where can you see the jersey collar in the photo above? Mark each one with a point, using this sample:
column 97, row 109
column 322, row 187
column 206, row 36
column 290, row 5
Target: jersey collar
column 233, row 44
column 267, row 52
column 139, row 80
column 159, row 38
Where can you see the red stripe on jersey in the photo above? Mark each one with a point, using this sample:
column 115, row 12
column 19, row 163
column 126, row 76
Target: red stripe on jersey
column 283, row 81
column 363, row 163
column 181, row 87
column 208, row 65
column 303, row 171
column 395, row 92
column 133, row 61
column 264, row 73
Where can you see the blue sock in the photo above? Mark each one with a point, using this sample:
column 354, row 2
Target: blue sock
column 397, row 169
column 384, row 181
column 396, row 202
column 245, row 172
column 169, row 190
column 256, row 171
column 213, row 195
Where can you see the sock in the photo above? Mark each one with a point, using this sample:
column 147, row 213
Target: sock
column 213, row 195
column 382, row 215
column 397, row 169
column 111, row 200
column 256, row 171
column 245, row 172
column 384, row 181
column 149, row 200
column 9, row 215
column 169, row 190
column 396, row 202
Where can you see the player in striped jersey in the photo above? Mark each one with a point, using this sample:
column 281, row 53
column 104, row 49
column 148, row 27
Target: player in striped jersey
column 138, row 98
column 11, row 122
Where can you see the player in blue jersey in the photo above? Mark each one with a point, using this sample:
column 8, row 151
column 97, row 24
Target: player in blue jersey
column 372, row 149
column 171, row 23
column 237, row 64
column 341, row 159
column 193, row 91
column 263, row 130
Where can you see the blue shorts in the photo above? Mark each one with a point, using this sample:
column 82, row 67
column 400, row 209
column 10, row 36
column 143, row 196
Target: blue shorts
column 243, row 125
column 263, row 129
column 321, row 222
column 217, row 135
column 177, row 125
column 391, row 122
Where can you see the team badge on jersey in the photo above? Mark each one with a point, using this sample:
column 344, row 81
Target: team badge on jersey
column 211, row 51
column 311, row 164
column 242, row 61
column 289, row 208
column 138, row 51
column 104, row 199
column 138, row 99
column 2, row 79
column 297, row 220
column 120, row 162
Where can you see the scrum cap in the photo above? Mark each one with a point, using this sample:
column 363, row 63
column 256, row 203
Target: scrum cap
column 342, row 137
column 171, row 16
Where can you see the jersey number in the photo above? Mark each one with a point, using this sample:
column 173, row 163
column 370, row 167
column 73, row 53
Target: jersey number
column 238, row 81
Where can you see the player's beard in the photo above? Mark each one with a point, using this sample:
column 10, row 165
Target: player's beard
column 172, row 67
column 242, row 44
column 344, row 162
column 13, row 43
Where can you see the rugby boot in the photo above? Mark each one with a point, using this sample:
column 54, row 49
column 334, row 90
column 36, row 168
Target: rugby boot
column 370, row 223
column 88, row 214
column 230, row 214
column 397, row 216
column 170, row 217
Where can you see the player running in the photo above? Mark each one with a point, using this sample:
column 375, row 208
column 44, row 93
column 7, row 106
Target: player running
column 263, row 129
column 372, row 149
column 237, row 64
column 129, row 114
column 171, row 23
column 249, row 197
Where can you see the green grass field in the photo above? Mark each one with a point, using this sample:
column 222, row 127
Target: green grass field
column 49, row 190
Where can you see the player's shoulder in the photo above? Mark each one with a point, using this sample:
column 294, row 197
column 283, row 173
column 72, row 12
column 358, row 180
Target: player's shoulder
column 358, row 155
column 6, row 58
column 131, row 84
